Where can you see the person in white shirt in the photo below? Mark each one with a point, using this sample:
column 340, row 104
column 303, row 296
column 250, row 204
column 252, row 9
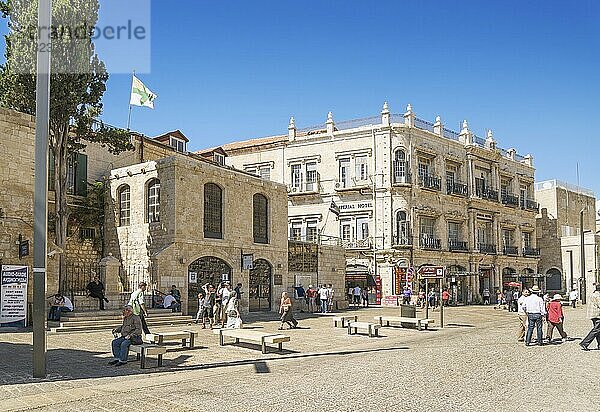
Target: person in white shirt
column 170, row 302
column 522, row 316
column 573, row 295
column 356, row 293
column 535, row 308
column 330, row 298
column 324, row 297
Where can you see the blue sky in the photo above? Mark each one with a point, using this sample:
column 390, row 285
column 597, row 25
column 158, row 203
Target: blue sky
column 529, row 71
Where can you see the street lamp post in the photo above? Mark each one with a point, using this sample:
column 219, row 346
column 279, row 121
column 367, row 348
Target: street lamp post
column 40, row 212
column 582, row 257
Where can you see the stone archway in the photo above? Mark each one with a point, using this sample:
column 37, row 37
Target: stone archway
column 259, row 286
column 207, row 269
column 553, row 280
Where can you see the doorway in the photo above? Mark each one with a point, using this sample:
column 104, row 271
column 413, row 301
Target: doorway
column 259, row 287
column 207, row 269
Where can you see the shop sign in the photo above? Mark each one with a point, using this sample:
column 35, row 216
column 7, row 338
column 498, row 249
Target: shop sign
column 432, row 272
column 13, row 296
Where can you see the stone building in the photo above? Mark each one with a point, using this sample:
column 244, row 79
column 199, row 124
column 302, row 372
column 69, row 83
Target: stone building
column 186, row 221
column 559, row 230
column 398, row 192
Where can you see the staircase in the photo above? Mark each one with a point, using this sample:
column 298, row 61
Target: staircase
column 109, row 319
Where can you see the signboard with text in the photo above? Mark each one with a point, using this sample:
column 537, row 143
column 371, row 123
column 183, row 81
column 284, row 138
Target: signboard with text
column 432, row 272
column 13, row 296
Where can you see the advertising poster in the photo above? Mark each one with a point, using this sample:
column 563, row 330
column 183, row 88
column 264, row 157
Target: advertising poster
column 13, row 296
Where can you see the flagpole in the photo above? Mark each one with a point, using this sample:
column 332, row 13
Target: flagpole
column 129, row 115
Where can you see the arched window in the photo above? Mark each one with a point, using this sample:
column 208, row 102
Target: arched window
column 153, row 201
column 400, row 167
column 260, row 208
column 402, row 228
column 124, row 196
column 213, row 211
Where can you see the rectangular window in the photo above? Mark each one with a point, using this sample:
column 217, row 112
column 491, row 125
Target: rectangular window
column 311, row 176
column 87, row 233
column 427, row 227
column 125, row 206
column 362, row 228
column 154, row 202
column 219, row 158
column 424, row 166
column 311, row 230
column 505, row 187
column 508, row 237
column 344, row 172
column 526, row 240
column 346, row 230
column 265, row 173
column 453, row 231
column 296, row 231
column 361, row 172
column 251, row 170
column 177, row 144
column 296, row 176
column 523, row 195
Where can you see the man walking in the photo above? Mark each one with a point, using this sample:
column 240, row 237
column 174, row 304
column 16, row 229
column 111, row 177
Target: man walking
column 324, row 297
column 136, row 301
column 356, row 294
column 522, row 316
column 131, row 334
column 535, row 308
column 573, row 295
column 594, row 316
column 509, row 299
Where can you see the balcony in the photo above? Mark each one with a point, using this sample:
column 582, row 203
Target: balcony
column 528, row 204
column 454, row 187
column 430, row 182
column 486, row 248
column 531, row 252
column 357, row 243
column 402, row 239
column 510, row 200
column 457, row 246
column 430, row 243
column 486, row 193
column 351, row 184
column 511, row 251
column 304, row 188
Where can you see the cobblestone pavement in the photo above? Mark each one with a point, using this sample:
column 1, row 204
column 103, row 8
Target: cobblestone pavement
column 472, row 364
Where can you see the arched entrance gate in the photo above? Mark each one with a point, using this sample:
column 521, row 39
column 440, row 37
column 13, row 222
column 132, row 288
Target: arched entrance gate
column 259, row 286
column 207, row 269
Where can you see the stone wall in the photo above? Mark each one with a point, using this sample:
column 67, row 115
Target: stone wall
column 549, row 243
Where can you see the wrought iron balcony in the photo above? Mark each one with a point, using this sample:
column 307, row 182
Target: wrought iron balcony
column 402, row 240
column 531, row 252
column 430, row 243
column 510, row 200
column 351, row 184
column 486, row 248
column 304, row 188
column 457, row 246
column 430, row 182
column 454, row 187
column 486, row 193
column 530, row 205
column 401, row 173
column 511, row 250
column 357, row 243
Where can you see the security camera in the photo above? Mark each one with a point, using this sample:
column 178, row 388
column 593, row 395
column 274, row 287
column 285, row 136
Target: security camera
column 54, row 251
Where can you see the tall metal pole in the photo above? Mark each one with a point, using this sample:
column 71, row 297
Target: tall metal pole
column 40, row 212
column 582, row 258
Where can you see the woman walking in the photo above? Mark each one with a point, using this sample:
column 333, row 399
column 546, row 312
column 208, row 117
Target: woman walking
column 555, row 318
column 234, row 320
column 285, row 310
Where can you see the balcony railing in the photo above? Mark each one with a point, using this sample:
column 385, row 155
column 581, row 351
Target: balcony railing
column 530, row 251
column 357, row 244
column 401, row 173
column 457, row 245
column 430, row 182
column 402, row 239
column 454, row 187
column 511, row 250
column 351, row 184
column 430, row 243
column 486, row 193
column 486, row 248
column 304, row 188
column 510, row 200
column 530, row 205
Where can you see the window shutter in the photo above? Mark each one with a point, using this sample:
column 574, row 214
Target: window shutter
column 81, row 175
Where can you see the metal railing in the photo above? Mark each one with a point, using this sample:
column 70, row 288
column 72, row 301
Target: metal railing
column 351, row 184
column 430, row 243
column 131, row 276
column 78, row 276
column 454, row 187
column 457, row 245
column 511, row 250
column 486, row 193
column 357, row 243
column 423, row 124
column 304, row 188
column 402, row 239
column 530, row 251
column 430, row 182
column 510, row 200
column 530, row 205
column 486, row 248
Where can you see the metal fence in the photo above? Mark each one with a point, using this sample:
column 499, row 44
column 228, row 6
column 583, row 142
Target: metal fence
column 131, row 276
column 78, row 275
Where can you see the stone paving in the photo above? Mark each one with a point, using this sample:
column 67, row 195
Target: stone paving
column 471, row 364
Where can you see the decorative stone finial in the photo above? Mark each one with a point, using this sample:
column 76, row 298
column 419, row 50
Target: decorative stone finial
column 329, row 123
column 385, row 114
column 438, row 119
column 438, row 128
column 490, row 143
column 408, row 108
column 330, row 117
column 292, row 129
column 386, row 107
column 465, row 125
column 490, row 135
column 292, row 123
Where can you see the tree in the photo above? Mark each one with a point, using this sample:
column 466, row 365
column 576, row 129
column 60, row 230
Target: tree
column 77, row 84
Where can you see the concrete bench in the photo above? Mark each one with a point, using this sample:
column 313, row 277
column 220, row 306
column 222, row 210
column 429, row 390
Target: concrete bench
column 343, row 319
column 146, row 349
column 187, row 337
column 371, row 328
column 248, row 335
column 418, row 322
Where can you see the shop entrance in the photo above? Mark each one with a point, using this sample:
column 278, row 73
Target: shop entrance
column 259, row 288
column 359, row 275
column 207, row 269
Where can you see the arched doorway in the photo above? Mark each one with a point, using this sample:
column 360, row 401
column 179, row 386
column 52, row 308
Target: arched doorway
column 259, row 286
column 207, row 269
column 553, row 280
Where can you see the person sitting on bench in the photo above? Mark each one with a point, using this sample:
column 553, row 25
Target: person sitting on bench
column 96, row 290
column 170, row 302
column 58, row 305
column 130, row 334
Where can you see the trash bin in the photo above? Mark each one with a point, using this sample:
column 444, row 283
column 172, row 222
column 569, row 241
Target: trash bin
column 408, row 311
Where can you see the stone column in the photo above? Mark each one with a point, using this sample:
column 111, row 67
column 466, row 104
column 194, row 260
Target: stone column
column 110, row 266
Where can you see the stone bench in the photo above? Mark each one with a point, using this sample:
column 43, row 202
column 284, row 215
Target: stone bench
column 371, row 328
column 145, row 349
column 247, row 335
column 343, row 319
column 184, row 336
column 418, row 322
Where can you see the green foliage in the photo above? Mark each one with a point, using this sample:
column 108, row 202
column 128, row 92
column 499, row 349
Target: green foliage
column 90, row 211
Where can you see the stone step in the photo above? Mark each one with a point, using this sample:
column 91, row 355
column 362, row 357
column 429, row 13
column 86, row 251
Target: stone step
column 76, row 317
column 117, row 321
column 183, row 320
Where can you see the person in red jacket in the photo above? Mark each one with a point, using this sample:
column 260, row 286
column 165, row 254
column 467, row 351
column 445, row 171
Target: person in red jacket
column 555, row 318
column 445, row 297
